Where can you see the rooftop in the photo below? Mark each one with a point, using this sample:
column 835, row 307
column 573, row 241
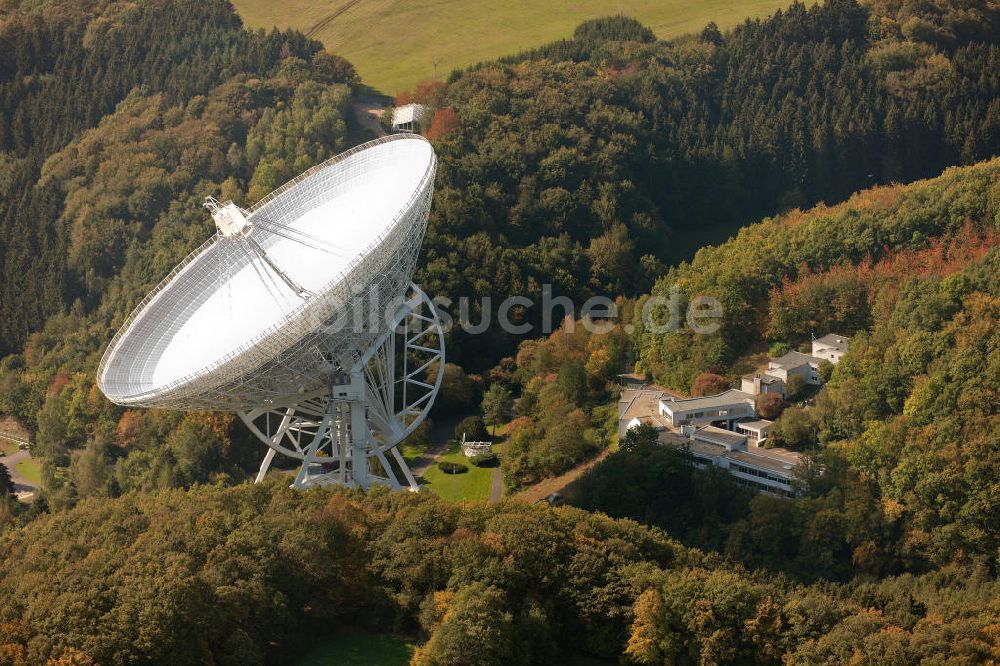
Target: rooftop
column 793, row 359
column 668, row 437
column 704, row 448
column 781, row 465
column 638, row 403
column 727, row 397
column 776, row 460
column 834, row 341
column 759, row 425
column 654, row 420
column 720, row 436
column 764, row 378
column 407, row 114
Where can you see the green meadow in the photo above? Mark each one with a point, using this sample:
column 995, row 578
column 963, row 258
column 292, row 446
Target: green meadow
column 395, row 44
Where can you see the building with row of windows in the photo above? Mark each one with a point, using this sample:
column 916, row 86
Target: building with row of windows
column 720, row 430
column 726, row 408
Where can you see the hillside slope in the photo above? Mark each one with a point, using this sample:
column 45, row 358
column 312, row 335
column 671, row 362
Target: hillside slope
column 256, row 574
column 395, row 44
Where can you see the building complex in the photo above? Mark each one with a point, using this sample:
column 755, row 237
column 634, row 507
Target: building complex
column 724, row 430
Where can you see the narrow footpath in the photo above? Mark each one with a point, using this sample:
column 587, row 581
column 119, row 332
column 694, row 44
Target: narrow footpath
column 496, row 489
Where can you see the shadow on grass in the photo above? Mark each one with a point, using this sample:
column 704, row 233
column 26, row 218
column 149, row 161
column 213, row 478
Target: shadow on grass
column 360, row 650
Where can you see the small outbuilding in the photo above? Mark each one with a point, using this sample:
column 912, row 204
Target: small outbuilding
column 407, row 118
column 472, row 449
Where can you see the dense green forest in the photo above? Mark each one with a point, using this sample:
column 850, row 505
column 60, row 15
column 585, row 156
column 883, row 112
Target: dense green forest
column 822, row 270
column 910, row 417
column 241, row 575
column 117, row 120
column 589, row 164
column 594, row 164
column 70, row 67
column 583, row 164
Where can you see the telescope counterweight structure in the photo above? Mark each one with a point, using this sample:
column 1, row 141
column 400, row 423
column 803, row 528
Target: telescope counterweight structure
column 299, row 315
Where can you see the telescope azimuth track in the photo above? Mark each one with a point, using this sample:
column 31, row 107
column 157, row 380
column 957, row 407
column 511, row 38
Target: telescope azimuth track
column 299, row 314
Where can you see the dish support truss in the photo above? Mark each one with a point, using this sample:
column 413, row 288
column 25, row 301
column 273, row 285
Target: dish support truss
column 349, row 434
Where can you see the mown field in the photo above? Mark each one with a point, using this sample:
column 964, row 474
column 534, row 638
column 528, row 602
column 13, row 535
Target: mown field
column 394, row 44
column 473, row 484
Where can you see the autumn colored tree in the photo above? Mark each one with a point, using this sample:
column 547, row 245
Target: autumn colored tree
column 443, row 123
column 770, row 405
column 708, row 383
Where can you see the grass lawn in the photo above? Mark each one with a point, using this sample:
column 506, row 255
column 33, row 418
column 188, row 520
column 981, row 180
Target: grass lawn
column 395, row 43
column 473, row 484
column 8, row 447
column 499, row 431
column 360, row 650
column 31, row 470
column 412, row 451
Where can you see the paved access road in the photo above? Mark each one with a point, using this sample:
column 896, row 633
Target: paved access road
column 23, row 488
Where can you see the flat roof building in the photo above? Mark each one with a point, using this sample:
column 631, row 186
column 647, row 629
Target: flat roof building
column 687, row 423
column 831, row 347
column 795, row 364
column 759, row 383
column 764, row 470
column 727, row 439
column 756, row 431
column 639, row 406
column 725, row 408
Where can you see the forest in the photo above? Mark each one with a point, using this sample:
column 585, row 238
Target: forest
column 594, row 163
column 598, row 164
column 583, row 165
column 254, row 573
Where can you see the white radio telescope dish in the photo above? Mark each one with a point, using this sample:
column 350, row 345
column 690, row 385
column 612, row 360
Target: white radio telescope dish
column 300, row 315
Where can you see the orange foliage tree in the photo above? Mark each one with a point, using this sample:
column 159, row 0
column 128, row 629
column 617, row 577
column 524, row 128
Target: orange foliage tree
column 709, row 383
column 443, row 122
column 842, row 297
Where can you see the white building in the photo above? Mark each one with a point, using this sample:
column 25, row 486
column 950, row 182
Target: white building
column 727, row 439
column 471, row 449
column 795, row 364
column 726, row 408
column 831, row 347
column 760, row 383
column 407, row 118
column 687, row 423
column 638, row 406
column 755, row 431
column 770, row 471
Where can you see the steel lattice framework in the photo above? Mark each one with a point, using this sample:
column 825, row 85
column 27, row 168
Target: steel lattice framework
column 385, row 396
column 348, row 370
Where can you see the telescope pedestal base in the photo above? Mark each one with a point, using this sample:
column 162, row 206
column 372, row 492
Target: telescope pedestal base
column 348, row 434
column 328, row 454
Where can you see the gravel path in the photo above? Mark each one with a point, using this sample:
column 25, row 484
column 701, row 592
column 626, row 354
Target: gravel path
column 496, row 490
column 22, row 487
column 442, row 432
column 557, row 484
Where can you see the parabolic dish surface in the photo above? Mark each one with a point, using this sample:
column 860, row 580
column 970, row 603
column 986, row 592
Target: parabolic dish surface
column 225, row 298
